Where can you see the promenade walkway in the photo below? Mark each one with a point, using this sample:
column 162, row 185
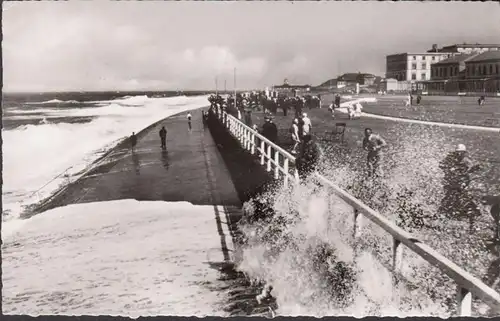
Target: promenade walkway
column 191, row 169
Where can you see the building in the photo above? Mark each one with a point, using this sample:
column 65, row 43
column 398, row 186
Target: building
column 412, row 66
column 388, row 85
column 452, row 68
column 465, row 48
column 483, row 72
column 470, row 73
column 415, row 68
column 351, row 79
column 290, row 90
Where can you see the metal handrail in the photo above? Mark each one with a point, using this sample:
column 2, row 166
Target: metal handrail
column 467, row 284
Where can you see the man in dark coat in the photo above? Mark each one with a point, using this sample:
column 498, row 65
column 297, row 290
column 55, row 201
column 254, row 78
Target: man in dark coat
column 269, row 130
column 163, row 137
column 133, row 141
column 308, row 158
column 337, row 101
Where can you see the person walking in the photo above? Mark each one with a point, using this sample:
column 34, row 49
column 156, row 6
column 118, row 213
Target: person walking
column 373, row 143
column 163, row 137
column 337, row 100
column 133, row 141
column 306, row 125
column 189, row 120
column 457, row 201
column 295, row 135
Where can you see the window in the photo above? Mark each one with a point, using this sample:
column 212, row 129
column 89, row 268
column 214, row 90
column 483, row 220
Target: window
column 423, row 76
column 413, row 76
column 414, row 66
column 484, row 70
column 491, row 69
column 497, row 70
column 433, row 57
column 424, row 65
column 414, row 57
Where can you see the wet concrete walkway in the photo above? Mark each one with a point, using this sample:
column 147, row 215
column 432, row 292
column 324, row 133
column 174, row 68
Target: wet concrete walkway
column 191, row 169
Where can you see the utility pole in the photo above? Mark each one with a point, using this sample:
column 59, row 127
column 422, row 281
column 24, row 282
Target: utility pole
column 216, row 89
column 235, row 87
column 225, row 86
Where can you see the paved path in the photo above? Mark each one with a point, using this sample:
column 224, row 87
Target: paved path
column 191, row 169
column 432, row 123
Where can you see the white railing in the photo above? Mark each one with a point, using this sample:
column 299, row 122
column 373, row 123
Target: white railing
column 275, row 158
column 467, row 285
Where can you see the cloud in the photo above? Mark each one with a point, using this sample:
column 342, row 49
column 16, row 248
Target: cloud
column 171, row 45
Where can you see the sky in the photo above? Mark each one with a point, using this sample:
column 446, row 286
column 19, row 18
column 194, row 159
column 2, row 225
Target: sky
column 184, row 45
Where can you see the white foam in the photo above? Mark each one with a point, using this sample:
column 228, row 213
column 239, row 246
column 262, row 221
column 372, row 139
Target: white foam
column 35, row 154
column 114, row 258
column 298, row 289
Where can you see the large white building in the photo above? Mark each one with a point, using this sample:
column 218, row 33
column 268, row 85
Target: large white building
column 412, row 65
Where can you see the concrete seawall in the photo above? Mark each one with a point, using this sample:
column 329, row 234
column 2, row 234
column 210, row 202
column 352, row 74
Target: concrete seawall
column 249, row 177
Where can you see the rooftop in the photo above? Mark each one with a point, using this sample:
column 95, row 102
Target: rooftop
column 488, row 55
column 419, row 53
column 471, row 45
column 351, row 76
column 456, row 59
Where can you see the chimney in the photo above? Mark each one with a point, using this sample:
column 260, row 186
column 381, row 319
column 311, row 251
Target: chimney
column 435, row 47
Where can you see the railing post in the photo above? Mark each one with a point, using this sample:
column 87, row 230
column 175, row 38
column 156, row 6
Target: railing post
column 262, row 151
column 269, row 158
column 287, row 174
column 247, row 141
column 252, row 143
column 276, row 164
column 397, row 255
column 464, row 302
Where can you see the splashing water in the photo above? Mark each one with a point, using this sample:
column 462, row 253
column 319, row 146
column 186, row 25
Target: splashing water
column 281, row 250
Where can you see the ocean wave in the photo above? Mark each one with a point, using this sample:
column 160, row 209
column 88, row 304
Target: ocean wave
column 54, row 101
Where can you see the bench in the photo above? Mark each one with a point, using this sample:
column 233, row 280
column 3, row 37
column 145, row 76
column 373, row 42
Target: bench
column 336, row 134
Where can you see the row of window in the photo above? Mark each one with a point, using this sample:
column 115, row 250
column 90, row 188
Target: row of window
column 423, row 76
column 444, row 72
column 414, row 66
column 483, row 70
column 423, row 57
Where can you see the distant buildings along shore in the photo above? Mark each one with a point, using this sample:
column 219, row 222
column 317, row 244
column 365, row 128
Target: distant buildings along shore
column 459, row 68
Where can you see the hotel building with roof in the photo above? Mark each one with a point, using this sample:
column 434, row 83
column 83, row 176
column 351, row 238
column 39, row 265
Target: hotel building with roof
column 415, row 71
column 468, row 73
